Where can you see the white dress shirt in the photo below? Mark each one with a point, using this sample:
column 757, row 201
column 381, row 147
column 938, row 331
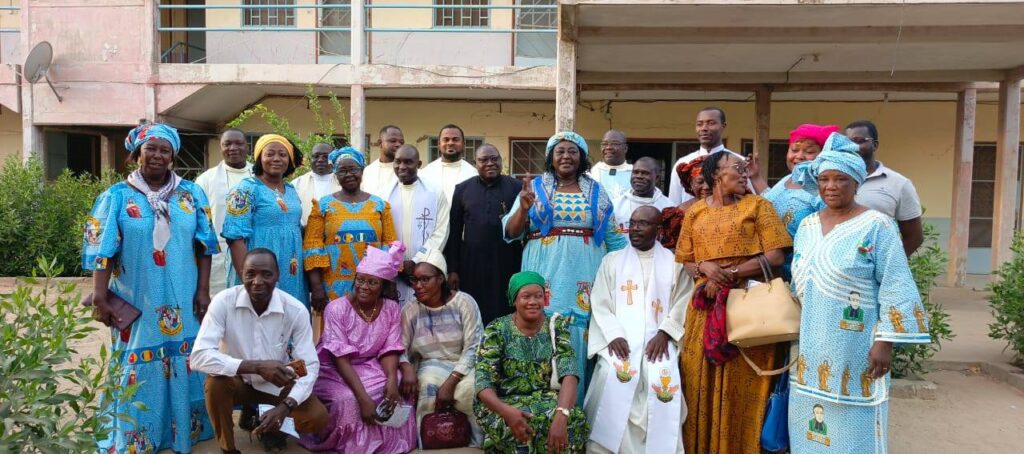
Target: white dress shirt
column 232, row 332
column 445, row 175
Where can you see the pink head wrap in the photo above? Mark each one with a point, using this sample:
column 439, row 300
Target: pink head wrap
column 818, row 133
column 384, row 265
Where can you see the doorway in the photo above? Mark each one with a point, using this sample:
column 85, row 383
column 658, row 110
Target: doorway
column 666, row 152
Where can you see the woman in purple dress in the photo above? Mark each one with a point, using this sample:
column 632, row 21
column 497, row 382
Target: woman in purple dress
column 359, row 354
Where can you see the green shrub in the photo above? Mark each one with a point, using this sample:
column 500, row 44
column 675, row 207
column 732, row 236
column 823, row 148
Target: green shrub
column 48, row 403
column 926, row 264
column 44, row 218
column 1007, row 301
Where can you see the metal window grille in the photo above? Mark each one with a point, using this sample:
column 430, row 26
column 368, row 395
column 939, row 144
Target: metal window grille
column 776, row 167
column 268, row 17
column 536, row 45
column 469, row 151
column 333, row 42
column 454, row 16
column 527, row 157
column 191, row 159
column 983, row 194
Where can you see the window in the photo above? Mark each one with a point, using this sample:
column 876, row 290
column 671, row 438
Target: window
column 527, row 157
column 191, row 158
column 536, row 45
column 469, row 155
column 453, row 15
column 268, row 17
column 335, row 45
column 983, row 190
column 776, row 167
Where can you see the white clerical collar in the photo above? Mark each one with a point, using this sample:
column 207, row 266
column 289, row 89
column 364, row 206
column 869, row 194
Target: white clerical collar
column 322, row 178
column 644, row 254
column 386, row 164
column 451, row 164
column 244, row 169
column 640, row 199
column 623, row 166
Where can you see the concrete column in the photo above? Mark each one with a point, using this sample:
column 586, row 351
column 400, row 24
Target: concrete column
column 763, row 125
column 31, row 135
column 1007, row 157
column 357, row 119
column 358, row 25
column 963, row 166
column 565, row 84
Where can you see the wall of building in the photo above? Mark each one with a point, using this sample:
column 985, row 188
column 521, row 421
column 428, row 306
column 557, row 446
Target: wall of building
column 10, row 133
column 916, row 137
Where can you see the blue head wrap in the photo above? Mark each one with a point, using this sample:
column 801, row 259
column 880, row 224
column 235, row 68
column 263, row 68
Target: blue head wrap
column 149, row 131
column 838, row 153
column 571, row 137
column 346, row 153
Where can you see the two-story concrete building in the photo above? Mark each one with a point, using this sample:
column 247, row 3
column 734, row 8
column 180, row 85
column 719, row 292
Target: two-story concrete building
column 940, row 78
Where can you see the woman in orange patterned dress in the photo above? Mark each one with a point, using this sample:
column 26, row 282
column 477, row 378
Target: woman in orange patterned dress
column 721, row 239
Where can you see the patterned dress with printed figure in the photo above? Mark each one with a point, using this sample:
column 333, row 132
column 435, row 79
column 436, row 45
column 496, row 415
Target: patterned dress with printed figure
column 518, row 368
column 264, row 218
column 856, row 289
column 153, row 351
column 337, row 234
column 569, row 263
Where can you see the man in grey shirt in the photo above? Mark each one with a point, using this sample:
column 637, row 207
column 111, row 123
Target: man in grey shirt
column 886, row 190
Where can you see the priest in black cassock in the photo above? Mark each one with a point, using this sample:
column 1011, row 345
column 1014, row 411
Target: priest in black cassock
column 480, row 262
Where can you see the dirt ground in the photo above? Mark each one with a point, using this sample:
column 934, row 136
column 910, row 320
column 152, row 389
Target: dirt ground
column 971, row 413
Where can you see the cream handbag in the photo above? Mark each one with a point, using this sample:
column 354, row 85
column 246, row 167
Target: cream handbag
column 762, row 314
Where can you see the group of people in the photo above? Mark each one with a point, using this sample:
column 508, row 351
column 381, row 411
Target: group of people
column 578, row 310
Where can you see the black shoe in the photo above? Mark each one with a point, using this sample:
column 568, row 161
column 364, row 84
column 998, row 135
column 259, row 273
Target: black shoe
column 273, row 441
column 250, row 418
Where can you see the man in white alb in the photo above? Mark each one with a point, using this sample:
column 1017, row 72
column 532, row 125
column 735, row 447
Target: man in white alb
column 635, row 402
column 216, row 183
column 449, row 169
column 420, row 212
column 379, row 176
column 318, row 182
column 642, row 192
column 613, row 172
column 710, row 125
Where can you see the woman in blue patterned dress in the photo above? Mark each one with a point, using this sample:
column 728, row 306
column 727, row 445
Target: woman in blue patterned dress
column 265, row 211
column 149, row 240
column 788, row 197
column 566, row 218
column 859, row 298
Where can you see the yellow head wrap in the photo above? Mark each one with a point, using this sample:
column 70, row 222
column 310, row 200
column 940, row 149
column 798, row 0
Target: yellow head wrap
column 268, row 139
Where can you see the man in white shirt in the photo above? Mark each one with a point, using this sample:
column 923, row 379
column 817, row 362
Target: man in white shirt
column 642, row 192
column 710, row 126
column 379, row 176
column 885, row 190
column 216, row 183
column 420, row 212
column 613, row 172
column 318, row 182
column 449, row 169
column 264, row 331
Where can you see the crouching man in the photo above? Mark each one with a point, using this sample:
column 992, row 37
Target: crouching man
column 267, row 356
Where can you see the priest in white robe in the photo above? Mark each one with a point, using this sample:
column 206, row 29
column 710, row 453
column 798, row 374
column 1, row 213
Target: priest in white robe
column 420, row 213
column 642, row 192
column 318, row 182
column 450, row 168
column 635, row 402
column 613, row 172
column 379, row 176
column 216, row 183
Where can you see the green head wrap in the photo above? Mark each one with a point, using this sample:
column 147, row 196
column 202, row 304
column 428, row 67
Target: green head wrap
column 520, row 280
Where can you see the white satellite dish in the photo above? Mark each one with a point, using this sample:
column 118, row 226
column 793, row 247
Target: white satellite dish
column 37, row 66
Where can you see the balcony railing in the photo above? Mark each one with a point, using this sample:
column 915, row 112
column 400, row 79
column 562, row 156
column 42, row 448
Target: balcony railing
column 278, row 32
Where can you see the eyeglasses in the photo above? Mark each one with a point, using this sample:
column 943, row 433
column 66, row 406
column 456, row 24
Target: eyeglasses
column 422, row 280
column 641, row 224
column 742, row 168
column 364, row 282
column 613, row 143
column 348, row 171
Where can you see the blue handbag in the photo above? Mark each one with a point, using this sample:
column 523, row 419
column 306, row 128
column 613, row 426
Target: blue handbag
column 775, row 432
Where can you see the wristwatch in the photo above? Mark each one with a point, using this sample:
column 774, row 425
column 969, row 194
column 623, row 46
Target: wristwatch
column 563, row 410
column 290, row 403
